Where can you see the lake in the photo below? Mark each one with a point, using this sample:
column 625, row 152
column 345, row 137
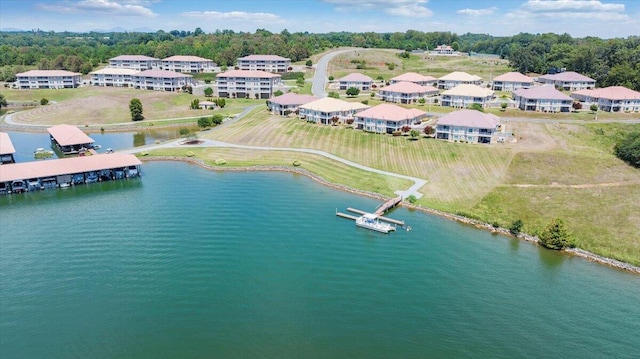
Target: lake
column 190, row 263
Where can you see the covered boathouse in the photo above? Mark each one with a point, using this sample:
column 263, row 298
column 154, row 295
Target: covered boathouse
column 65, row 172
column 69, row 139
column 6, row 149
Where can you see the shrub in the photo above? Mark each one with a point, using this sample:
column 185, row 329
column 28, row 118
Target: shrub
column 309, row 63
column 628, row 149
column 516, row 227
column 391, row 66
column 577, row 105
column 412, row 199
column 365, row 102
column 296, row 163
column 556, row 236
column 477, row 107
column 421, row 100
column 349, row 121
column 495, row 224
column 405, row 128
column 278, row 93
column 190, row 154
column 204, row 122
column 593, row 108
column 429, row 130
column 333, row 94
column 44, row 102
column 331, row 78
column 292, row 75
column 372, row 94
column 207, row 80
column 217, row 119
column 414, row 134
column 144, row 153
column 396, row 133
column 220, row 162
column 353, row 91
column 208, row 92
column 503, row 106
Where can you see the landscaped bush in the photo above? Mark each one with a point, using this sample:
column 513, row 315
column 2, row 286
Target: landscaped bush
column 190, row 154
column 396, row 133
column 292, row 75
column 628, row 149
column 296, row 163
column 220, row 162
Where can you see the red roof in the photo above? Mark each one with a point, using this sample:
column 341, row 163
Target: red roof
column 291, row 98
column 164, row 74
column 186, row 58
column 414, row 77
column 50, row 73
column 513, row 77
column 408, row 87
column 6, row 146
column 568, row 76
column 389, row 112
column 133, row 58
column 546, row 92
column 264, row 58
column 247, row 73
column 67, row 135
column 356, row 77
column 65, row 166
column 611, row 93
column 470, row 118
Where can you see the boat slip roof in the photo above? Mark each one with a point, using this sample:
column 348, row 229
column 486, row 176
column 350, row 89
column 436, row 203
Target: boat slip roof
column 67, row 135
column 66, row 166
column 6, row 146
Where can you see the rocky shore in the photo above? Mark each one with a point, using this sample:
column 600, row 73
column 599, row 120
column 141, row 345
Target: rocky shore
column 461, row 219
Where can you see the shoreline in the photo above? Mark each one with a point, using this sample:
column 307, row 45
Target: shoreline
column 592, row 257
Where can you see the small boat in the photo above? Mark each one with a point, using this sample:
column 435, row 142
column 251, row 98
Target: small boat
column 371, row 221
column 109, row 150
column 39, row 150
column 97, row 147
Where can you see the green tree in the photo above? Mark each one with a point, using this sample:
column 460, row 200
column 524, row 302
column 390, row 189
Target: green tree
column 455, row 46
column 184, row 132
column 593, row 107
column 516, row 227
column 309, row 63
column 217, row 119
column 503, row 106
column 135, row 107
column 208, row 92
column 333, row 94
column 207, row 80
column 3, row 101
column 204, row 122
column 44, row 101
column 628, row 149
column 556, row 236
column 300, row 81
column 353, row 91
column 195, row 104
column 414, row 134
column 331, row 78
column 477, row 107
column 421, row 100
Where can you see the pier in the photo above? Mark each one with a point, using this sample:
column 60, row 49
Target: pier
column 393, row 202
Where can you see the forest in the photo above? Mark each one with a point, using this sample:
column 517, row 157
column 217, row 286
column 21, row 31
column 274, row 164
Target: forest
column 609, row 61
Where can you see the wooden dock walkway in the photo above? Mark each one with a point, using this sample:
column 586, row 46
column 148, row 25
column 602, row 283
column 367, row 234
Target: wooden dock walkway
column 388, row 205
column 382, row 218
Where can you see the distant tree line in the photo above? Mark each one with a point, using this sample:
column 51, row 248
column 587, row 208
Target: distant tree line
column 608, row 61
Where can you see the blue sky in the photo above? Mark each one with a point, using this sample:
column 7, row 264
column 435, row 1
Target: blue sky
column 602, row 18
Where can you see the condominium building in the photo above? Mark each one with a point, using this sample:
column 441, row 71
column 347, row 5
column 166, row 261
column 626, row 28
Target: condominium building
column 268, row 63
column 48, row 79
column 246, row 84
column 188, row 64
column 134, row 62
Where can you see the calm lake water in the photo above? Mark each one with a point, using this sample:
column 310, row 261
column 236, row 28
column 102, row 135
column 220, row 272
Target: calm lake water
column 189, row 263
column 26, row 142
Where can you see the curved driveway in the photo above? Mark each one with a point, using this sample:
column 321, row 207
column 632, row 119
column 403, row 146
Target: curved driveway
column 320, row 77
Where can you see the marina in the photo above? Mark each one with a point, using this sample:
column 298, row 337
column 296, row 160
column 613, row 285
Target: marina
column 88, row 167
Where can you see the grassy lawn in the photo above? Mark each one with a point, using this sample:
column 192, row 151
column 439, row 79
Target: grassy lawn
column 105, row 105
column 332, row 171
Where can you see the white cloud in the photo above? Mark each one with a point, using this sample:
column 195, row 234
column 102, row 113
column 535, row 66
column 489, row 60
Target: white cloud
column 478, row 12
column 570, row 9
column 107, row 7
column 405, row 8
column 235, row 16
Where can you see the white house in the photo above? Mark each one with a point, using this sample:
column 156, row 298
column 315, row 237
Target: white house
column 246, row 84
column 610, row 99
column 416, row 78
column 512, row 81
column 326, row 109
column 445, row 50
column 543, row 99
column 188, row 64
column 288, row 103
column 48, row 79
column 568, row 81
column 463, row 96
column 268, row 63
column 467, row 126
column 406, row 92
column 456, row 78
column 135, row 62
column 161, row 80
column 116, row 77
column 357, row 80
column 386, row 118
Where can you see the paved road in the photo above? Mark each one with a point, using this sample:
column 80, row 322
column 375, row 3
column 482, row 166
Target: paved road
column 320, row 78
